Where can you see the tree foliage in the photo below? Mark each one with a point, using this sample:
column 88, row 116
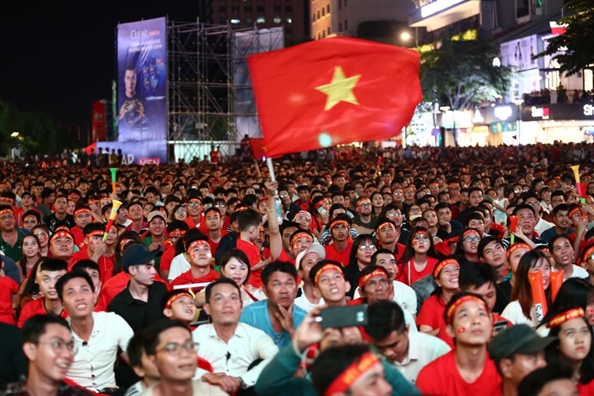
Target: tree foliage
column 461, row 75
column 574, row 49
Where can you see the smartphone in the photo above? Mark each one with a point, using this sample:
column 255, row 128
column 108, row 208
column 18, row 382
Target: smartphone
column 322, row 211
column 499, row 326
column 347, row 316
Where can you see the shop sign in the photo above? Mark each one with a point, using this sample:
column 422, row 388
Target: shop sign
column 540, row 112
column 589, row 110
column 503, row 113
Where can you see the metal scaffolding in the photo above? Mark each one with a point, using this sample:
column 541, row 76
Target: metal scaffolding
column 209, row 89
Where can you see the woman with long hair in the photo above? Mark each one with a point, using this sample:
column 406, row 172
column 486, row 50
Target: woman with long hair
column 29, row 289
column 377, row 203
column 419, row 257
column 521, row 309
column 42, row 233
column 364, row 246
column 431, row 316
column 467, row 246
column 235, row 265
column 31, row 254
column 573, row 346
column 575, row 292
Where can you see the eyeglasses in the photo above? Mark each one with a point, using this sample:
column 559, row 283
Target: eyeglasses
column 420, row 238
column 194, row 204
column 174, row 348
column 284, row 195
column 367, row 247
column 59, row 346
column 219, row 205
column 472, row 239
column 534, row 204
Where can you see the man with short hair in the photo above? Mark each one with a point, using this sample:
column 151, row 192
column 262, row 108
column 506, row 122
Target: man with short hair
column 50, row 349
column 328, row 277
column 60, row 217
column 200, row 257
column 214, row 223
column 140, row 302
column 277, row 316
column 526, row 222
column 142, row 366
column 562, row 251
column 169, row 346
column 340, row 248
column 560, row 215
column 61, row 245
column 228, row 345
column 95, row 249
column 10, row 235
column 136, row 217
column 155, row 240
column 48, row 196
column 97, row 335
column 542, row 225
column 408, row 351
column 385, row 231
column 48, row 274
column 517, row 351
column 82, row 217
column 492, row 251
column 364, row 222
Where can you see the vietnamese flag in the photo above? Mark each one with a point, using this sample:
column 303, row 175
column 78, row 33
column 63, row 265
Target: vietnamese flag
column 333, row 91
column 258, row 147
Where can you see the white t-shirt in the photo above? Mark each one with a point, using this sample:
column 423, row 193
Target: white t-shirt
column 179, row 265
column 513, row 313
column 303, row 302
column 578, row 272
column 404, row 295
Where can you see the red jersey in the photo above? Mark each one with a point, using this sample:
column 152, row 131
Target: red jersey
column 343, row 257
column 105, row 264
column 253, row 254
column 214, row 245
column 186, row 278
column 35, row 307
column 191, row 223
column 285, row 257
column 586, row 389
column 407, row 273
column 431, row 314
column 166, row 258
column 442, row 378
column 78, row 236
column 8, row 287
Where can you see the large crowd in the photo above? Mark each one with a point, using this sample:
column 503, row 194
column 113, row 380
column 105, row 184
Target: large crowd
column 346, row 271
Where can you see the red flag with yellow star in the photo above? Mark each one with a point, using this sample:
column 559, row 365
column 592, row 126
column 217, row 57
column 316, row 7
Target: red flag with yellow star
column 258, row 147
column 333, row 91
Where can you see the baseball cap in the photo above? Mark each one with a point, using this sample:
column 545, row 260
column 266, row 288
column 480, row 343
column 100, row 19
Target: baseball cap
column 314, row 248
column 156, row 213
column 519, row 339
column 137, row 254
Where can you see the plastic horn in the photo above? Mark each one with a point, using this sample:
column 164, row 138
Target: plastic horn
column 113, row 179
column 112, row 216
column 513, row 220
column 270, row 169
column 576, row 172
column 538, row 295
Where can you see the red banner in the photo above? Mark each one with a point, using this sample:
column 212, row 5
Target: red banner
column 98, row 121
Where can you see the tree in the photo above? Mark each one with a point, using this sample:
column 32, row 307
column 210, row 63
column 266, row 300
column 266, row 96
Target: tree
column 573, row 49
column 461, row 75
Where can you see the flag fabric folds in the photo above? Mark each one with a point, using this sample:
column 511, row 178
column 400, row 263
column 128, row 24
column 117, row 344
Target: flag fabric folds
column 333, row 91
column 258, row 147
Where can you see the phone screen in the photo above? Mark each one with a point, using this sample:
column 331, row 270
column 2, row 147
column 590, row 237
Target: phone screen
column 347, row 316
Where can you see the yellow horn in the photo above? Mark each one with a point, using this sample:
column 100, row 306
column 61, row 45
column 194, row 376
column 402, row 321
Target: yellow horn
column 115, row 205
column 576, row 172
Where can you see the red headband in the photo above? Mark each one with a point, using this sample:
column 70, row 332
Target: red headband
column 346, row 379
column 384, row 223
column 574, row 211
column 4, row 211
column 335, row 223
column 123, row 242
column 566, row 316
column 61, row 234
column 177, row 233
column 442, row 264
column 587, row 253
column 363, row 200
column 197, row 243
column 326, row 268
column 319, row 204
column 299, row 235
column 468, row 232
column 93, row 233
column 516, row 246
column 81, row 210
column 377, row 272
column 460, row 301
column 172, row 299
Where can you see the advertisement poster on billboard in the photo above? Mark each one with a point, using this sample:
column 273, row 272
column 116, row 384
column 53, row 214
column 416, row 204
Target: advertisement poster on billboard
column 142, row 81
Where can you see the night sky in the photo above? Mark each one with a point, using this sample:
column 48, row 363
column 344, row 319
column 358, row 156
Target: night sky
column 59, row 56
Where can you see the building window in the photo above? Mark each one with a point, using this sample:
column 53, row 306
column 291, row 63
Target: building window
column 235, row 21
column 339, row 4
column 289, row 20
column 324, row 34
column 222, row 9
column 318, row 14
column 247, row 8
column 277, row 20
column 323, row 11
column 340, row 26
column 328, row 8
column 328, row 30
column 235, row 10
column 277, row 8
column 222, row 20
column 248, row 20
column 260, row 8
column 346, row 23
column 289, row 30
column 261, row 20
column 288, row 8
column 313, row 18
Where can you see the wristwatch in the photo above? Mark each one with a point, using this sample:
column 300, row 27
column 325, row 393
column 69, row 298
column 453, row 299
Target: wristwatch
column 242, row 384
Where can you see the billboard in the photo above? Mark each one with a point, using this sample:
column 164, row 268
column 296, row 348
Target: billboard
column 142, row 81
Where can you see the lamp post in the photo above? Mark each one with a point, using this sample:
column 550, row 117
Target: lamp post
column 518, row 103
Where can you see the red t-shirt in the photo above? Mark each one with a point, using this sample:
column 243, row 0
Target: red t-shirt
column 409, row 279
column 105, row 264
column 253, row 254
column 431, row 314
column 187, row 278
column 166, row 258
column 191, row 223
column 442, row 378
column 78, row 236
column 342, row 257
column 117, row 283
column 8, row 287
column 586, row 389
column 35, row 307
column 214, row 245
column 285, row 257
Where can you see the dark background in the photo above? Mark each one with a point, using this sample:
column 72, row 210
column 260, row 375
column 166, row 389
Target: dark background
column 57, row 57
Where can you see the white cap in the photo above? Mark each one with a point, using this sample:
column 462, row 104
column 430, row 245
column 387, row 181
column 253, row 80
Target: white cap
column 314, row 248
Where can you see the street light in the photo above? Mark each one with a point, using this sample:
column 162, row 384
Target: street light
column 405, row 36
column 15, row 135
column 518, row 103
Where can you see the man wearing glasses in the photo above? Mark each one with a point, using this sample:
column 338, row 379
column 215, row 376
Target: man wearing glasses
column 50, row 350
column 97, row 335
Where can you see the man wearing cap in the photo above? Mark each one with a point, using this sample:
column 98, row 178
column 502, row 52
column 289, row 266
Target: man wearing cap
column 340, row 248
column 82, row 217
column 61, row 245
column 466, row 370
column 95, row 249
column 308, row 296
column 364, row 222
column 156, row 239
column 517, row 351
column 140, row 302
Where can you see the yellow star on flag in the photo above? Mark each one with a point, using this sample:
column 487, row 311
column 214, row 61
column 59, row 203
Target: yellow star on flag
column 340, row 89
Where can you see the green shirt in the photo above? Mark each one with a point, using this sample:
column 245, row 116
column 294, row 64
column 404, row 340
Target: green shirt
column 14, row 252
column 147, row 242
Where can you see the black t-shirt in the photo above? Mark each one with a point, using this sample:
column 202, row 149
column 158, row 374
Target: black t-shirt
column 503, row 291
column 140, row 314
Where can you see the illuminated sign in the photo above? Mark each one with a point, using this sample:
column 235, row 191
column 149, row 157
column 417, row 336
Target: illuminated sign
column 438, row 6
column 478, row 117
column 588, row 110
column 541, row 112
column 503, row 113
